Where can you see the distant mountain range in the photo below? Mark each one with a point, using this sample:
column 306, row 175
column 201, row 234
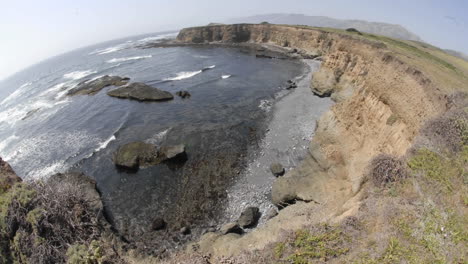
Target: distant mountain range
column 385, row 29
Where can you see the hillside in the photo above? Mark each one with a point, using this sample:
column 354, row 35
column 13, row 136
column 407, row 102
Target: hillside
column 457, row 54
column 384, row 29
column 383, row 181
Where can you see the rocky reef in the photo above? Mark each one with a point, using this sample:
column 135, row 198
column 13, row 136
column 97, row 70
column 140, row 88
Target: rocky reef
column 141, row 92
column 91, row 87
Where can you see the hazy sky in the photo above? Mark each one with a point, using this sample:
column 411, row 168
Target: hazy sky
column 33, row 30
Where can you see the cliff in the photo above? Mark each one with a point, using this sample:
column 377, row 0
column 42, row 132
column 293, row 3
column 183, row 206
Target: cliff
column 385, row 90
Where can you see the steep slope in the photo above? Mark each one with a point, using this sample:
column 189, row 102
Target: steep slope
column 385, row 29
column 385, row 90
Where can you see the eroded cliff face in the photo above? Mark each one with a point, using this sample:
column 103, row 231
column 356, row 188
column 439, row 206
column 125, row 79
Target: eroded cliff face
column 382, row 102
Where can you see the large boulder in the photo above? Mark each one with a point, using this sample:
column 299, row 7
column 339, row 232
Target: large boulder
column 141, row 92
column 7, row 176
column 231, row 228
column 135, row 154
column 277, row 169
column 172, row 152
column 283, row 191
column 249, row 217
column 94, row 86
column 158, row 224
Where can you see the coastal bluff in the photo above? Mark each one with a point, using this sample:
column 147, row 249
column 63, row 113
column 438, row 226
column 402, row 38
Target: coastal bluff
column 384, row 89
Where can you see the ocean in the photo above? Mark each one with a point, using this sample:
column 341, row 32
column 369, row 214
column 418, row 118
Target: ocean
column 43, row 131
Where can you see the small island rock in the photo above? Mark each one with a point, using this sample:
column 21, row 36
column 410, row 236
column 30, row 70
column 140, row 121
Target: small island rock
column 141, row 92
column 134, row 154
column 91, row 87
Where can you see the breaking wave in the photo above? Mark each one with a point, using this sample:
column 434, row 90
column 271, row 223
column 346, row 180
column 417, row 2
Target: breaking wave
column 225, row 76
column 76, row 75
column 128, row 59
column 185, row 75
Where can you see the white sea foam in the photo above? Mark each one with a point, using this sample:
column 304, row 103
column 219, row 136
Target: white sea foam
column 104, row 144
column 76, row 75
column 265, row 105
column 128, row 59
column 183, row 75
column 6, row 142
column 25, row 84
column 15, row 94
column 111, row 49
column 225, row 76
column 159, row 37
column 49, row 151
column 158, row 137
column 44, row 172
column 209, row 67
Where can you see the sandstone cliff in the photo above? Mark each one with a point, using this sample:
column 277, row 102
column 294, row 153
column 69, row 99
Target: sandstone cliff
column 385, row 91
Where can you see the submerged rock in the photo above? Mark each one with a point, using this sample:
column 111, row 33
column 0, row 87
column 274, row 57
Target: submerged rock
column 249, row 217
column 277, row 169
column 185, row 230
column 135, row 154
column 158, row 224
column 183, row 94
column 94, row 86
column 141, row 92
column 231, row 228
column 172, row 152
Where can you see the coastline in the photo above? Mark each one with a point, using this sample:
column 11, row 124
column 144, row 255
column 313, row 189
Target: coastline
column 290, row 127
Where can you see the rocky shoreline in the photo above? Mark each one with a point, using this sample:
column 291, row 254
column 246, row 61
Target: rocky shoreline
column 324, row 182
column 329, row 180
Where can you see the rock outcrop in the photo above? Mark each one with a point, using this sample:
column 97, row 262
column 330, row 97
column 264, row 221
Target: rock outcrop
column 138, row 154
column 249, row 217
column 141, row 92
column 91, row 87
column 277, row 169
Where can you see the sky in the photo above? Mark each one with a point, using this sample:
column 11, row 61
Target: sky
column 33, row 30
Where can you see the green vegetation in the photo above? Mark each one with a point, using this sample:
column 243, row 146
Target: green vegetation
column 392, row 120
column 322, row 243
column 434, row 167
column 82, row 254
column 412, row 49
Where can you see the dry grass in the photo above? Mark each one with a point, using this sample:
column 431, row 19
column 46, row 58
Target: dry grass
column 51, row 222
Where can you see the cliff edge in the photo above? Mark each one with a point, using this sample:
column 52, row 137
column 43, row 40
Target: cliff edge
column 385, row 91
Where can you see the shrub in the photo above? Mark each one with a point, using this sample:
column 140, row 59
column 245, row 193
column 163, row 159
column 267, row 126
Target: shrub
column 449, row 131
column 353, row 30
column 264, row 23
column 386, row 168
column 39, row 221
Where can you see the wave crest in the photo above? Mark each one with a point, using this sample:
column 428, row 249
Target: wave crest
column 76, row 75
column 114, row 60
